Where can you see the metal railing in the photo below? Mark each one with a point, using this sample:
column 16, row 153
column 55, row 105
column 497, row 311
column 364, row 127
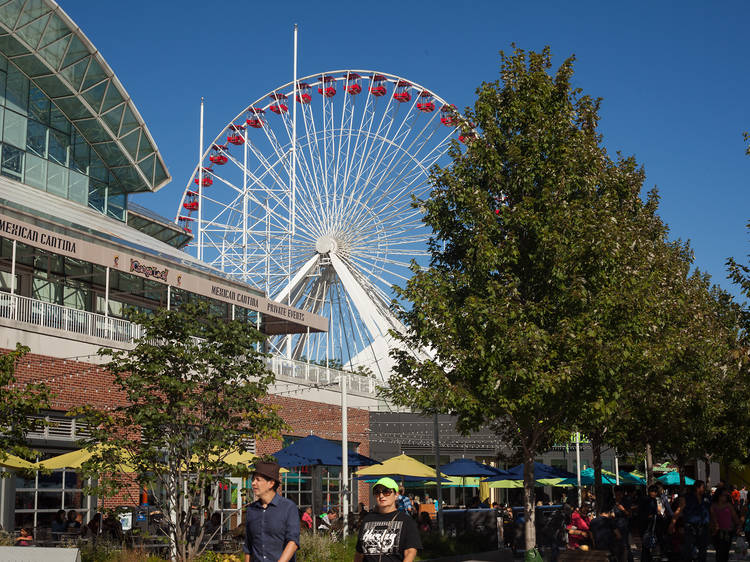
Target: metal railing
column 81, row 322
column 67, row 319
column 320, row 376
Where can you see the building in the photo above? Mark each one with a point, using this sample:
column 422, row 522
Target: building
column 74, row 252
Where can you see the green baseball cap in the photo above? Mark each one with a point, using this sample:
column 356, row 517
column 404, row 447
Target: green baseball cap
column 387, row 483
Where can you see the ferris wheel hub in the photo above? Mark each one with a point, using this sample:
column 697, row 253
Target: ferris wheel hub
column 326, row 245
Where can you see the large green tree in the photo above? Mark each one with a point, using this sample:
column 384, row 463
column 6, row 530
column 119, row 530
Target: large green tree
column 539, row 257
column 20, row 405
column 193, row 389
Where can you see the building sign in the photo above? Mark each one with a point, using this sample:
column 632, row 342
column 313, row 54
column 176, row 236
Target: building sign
column 245, row 299
column 37, row 236
column 280, row 310
column 148, row 270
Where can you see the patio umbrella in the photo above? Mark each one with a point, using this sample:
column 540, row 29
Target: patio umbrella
column 401, row 465
column 631, row 478
column 313, row 450
column 76, row 459
column 543, row 474
column 12, row 461
column 673, row 479
column 468, row 467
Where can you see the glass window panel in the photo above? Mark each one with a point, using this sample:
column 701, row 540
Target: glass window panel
column 36, row 172
column 58, row 147
column 58, row 120
column 54, row 52
column 56, row 29
column 75, row 297
column 97, row 195
column 98, row 170
column 36, row 138
column 94, row 75
column 3, row 80
column 49, row 500
column 78, row 188
column 12, row 162
column 57, row 179
column 52, row 480
column 76, row 51
column 73, row 500
column 116, row 206
column 3, row 63
column 38, row 105
column 25, row 481
column 43, row 290
column 25, row 500
column 14, row 129
column 17, row 90
column 79, row 153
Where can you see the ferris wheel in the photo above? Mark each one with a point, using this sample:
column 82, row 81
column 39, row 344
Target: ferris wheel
column 310, row 196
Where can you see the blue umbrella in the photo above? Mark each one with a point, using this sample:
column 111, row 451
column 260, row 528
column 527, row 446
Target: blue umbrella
column 469, row 467
column 313, row 450
column 673, row 479
column 541, row 472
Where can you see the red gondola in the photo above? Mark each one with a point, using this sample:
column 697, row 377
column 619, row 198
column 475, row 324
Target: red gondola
column 191, row 205
column 425, row 102
column 218, row 147
column 207, row 181
column 378, row 85
column 218, row 159
column 186, row 229
column 192, row 193
column 447, row 115
column 280, row 106
column 327, row 86
column 402, row 93
column 303, row 93
column 235, row 137
column 256, row 117
column 466, row 138
column 186, row 219
column 352, row 83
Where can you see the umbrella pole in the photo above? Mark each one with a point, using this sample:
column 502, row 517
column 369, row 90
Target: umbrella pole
column 439, row 513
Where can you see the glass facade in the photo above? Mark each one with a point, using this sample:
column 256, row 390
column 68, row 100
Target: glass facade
column 40, row 148
column 78, row 284
column 39, row 496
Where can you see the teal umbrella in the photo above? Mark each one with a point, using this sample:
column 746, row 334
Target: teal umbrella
column 673, row 479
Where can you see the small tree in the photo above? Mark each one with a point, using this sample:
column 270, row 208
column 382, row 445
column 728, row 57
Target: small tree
column 193, row 389
column 19, row 404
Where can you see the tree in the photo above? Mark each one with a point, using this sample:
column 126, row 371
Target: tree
column 20, row 405
column 536, row 260
column 193, row 388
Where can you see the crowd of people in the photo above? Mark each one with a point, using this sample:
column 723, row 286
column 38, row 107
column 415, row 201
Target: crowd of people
column 668, row 525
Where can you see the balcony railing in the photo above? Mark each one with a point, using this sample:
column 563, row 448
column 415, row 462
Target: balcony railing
column 70, row 320
column 83, row 323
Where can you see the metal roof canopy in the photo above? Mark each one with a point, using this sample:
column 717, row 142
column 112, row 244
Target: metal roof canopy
column 39, row 38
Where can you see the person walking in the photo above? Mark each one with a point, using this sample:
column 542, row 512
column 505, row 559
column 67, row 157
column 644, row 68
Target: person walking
column 387, row 534
column 724, row 523
column 694, row 510
column 272, row 525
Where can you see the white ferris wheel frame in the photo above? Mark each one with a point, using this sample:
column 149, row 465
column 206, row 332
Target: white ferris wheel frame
column 305, row 172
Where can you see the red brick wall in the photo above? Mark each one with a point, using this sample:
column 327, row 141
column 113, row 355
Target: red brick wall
column 77, row 382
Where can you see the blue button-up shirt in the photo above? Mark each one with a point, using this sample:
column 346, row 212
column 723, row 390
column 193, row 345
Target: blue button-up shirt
column 269, row 530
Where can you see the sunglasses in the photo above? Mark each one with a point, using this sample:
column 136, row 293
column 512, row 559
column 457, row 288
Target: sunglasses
column 382, row 492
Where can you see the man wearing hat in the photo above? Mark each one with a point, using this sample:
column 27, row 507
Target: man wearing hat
column 387, row 534
column 272, row 524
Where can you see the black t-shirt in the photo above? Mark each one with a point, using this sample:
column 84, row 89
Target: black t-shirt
column 387, row 534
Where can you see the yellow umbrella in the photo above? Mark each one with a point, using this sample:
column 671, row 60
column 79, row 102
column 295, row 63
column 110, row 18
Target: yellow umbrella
column 401, row 465
column 12, row 461
column 237, row 457
column 75, row 459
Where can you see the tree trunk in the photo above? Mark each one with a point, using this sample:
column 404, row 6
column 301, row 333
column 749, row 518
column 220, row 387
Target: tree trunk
column 528, row 501
column 649, row 465
column 596, row 449
column 707, row 464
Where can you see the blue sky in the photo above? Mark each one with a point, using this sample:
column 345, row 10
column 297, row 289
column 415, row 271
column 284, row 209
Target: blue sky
column 674, row 78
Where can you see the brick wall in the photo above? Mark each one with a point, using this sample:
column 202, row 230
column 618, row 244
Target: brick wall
column 76, row 382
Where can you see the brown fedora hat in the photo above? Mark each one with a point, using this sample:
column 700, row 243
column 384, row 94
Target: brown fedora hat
column 268, row 469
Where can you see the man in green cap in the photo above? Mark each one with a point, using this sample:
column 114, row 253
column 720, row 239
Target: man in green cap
column 386, row 534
